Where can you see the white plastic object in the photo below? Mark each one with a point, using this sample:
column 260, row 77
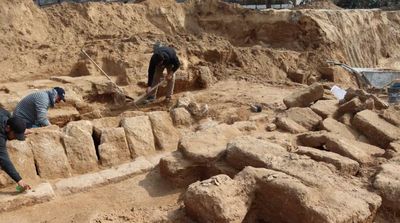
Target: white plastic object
column 338, row 92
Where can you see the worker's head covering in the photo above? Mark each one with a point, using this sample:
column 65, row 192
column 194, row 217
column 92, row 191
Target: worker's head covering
column 18, row 126
column 157, row 45
column 60, row 93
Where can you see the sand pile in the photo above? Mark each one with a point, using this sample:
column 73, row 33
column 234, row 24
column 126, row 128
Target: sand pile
column 232, row 41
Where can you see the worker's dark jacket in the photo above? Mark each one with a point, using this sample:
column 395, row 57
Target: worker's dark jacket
column 171, row 61
column 5, row 162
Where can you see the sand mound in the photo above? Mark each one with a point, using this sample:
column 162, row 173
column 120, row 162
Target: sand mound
column 232, row 41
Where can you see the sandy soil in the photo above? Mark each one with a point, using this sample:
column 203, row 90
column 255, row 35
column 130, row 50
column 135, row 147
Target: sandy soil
column 138, row 199
column 253, row 57
column 149, row 198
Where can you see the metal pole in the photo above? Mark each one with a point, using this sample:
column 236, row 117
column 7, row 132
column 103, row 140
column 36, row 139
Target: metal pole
column 105, row 74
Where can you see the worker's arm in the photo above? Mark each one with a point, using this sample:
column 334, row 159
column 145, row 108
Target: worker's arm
column 6, row 163
column 152, row 70
column 173, row 67
column 176, row 64
column 41, row 107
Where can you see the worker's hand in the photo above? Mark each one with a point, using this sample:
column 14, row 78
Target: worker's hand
column 28, row 131
column 169, row 75
column 22, row 184
column 148, row 90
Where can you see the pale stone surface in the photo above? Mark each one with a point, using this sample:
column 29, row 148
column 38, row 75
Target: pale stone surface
column 218, row 199
column 331, row 125
column 63, row 115
column 393, row 150
column 305, row 97
column 79, row 146
column 185, row 100
column 21, row 155
column 198, row 111
column 313, row 185
column 289, row 125
column 49, row 154
column 179, row 171
column 286, row 197
column 9, row 101
column 388, row 183
column 346, row 119
column 103, row 123
column 245, row 125
column 271, row 127
column 304, row 117
column 205, row 76
column 181, row 117
column 155, row 159
column 5, row 180
column 359, row 151
column 39, row 194
column 377, row 129
column 130, row 114
column 352, row 106
column 392, row 115
column 115, row 174
column 139, row 135
column 259, row 118
column 325, row 108
column 166, row 135
column 114, row 147
column 206, row 123
column 209, row 144
column 343, row 164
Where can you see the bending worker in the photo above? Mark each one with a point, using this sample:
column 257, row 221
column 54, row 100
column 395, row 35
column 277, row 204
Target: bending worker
column 163, row 58
column 33, row 108
column 11, row 128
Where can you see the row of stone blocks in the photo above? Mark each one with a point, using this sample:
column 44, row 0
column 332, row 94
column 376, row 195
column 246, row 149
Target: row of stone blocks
column 85, row 146
column 45, row 192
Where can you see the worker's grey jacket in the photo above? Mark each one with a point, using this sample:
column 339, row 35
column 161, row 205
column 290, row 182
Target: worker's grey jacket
column 33, row 108
column 5, row 162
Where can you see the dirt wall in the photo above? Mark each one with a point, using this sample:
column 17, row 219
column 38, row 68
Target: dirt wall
column 232, row 41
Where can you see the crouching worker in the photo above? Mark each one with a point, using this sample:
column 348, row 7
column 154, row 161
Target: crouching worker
column 11, row 128
column 33, row 107
column 163, row 58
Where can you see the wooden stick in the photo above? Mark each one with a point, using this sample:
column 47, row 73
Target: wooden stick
column 105, row 74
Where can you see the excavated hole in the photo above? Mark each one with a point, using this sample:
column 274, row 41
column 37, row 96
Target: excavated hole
column 116, row 68
column 100, row 98
column 79, row 69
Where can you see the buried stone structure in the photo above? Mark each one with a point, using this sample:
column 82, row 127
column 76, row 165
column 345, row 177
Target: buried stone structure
column 233, row 173
column 86, row 146
column 263, row 181
column 251, row 179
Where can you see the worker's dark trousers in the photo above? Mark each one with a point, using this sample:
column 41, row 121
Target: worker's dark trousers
column 157, row 78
